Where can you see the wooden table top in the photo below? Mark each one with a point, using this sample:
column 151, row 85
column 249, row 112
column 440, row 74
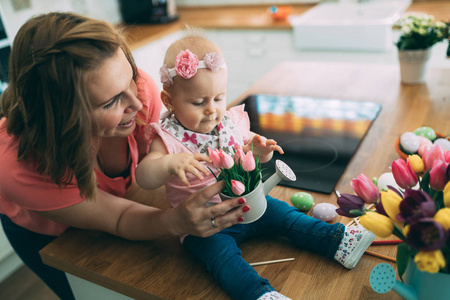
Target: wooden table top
column 162, row 269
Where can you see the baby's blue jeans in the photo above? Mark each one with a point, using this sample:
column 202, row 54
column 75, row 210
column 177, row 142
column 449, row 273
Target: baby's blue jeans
column 222, row 257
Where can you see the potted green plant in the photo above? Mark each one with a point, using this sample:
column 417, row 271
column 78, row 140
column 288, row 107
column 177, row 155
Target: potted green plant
column 419, row 32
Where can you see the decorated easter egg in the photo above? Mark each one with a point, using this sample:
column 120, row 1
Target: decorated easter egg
column 444, row 143
column 427, row 132
column 302, row 200
column 410, row 142
column 325, row 211
column 386, row 179
column 423, row 140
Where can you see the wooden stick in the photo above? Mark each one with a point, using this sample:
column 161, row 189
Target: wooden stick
column 380, row 256
column 271, row 261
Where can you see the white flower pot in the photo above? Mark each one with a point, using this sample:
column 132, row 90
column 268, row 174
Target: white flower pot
column 256, row 199
column 413, row 65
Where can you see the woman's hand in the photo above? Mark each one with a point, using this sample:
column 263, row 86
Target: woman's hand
column 182, row 163
column 193, row 217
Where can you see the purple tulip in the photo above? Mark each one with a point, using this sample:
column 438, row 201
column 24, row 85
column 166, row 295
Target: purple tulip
column 403, row 174
column 415, row 206
column 349, row 202
column 426, row 235
column 438, row 174
column 365, row 188
column 380, row 209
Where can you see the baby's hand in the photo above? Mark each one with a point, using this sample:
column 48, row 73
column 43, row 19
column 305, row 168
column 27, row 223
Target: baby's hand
column 263, row 146
column 182, row 163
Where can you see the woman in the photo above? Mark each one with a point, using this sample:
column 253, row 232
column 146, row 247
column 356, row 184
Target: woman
column 71, row 136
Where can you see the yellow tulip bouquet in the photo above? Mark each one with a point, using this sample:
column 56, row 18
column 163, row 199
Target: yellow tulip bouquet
column 415, row 207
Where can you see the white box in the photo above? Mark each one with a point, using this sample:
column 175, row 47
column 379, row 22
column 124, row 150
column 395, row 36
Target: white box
column 363, row 26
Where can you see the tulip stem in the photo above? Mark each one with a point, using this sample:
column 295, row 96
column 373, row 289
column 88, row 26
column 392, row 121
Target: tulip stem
column 398, row 233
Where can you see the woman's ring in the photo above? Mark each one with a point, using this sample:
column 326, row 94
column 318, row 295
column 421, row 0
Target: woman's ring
column 213, row 223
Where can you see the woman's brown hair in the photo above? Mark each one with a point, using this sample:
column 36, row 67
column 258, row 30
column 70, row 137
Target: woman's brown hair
column 46, row 102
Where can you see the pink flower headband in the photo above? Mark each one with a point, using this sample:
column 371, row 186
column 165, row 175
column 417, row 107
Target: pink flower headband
column 187, row 64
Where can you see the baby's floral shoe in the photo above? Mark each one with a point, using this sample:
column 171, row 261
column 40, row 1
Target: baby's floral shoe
column 273, row 295
column 355, row 241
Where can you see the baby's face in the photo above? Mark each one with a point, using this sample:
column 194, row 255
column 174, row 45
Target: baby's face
column 199, row 103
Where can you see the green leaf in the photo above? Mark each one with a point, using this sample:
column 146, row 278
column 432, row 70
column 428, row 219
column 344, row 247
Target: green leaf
column 403, row 255
column 439, row 199
column 357, row 212
column 424, row 184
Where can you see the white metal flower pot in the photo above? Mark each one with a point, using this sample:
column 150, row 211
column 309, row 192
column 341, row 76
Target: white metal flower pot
column 256, row 199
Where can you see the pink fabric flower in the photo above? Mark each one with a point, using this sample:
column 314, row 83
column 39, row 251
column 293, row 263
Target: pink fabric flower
column 237, row 187
column 214, row 155
column 437, row 175
column 430, row 154
column 213, row 61
column 248, row 163
column 226, row 160
column 365, row 188
column 404, row 174
column 166, row 79
column 186, row 64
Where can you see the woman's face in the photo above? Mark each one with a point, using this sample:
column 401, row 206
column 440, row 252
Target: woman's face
column 113, row 93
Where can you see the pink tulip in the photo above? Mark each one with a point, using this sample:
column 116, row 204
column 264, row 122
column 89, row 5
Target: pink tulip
column 214, row 155
column 226, row 160
column 239, row 155
column 430, row 154
column 423, row 147
column 365, row 188
column 447, row 157
column 404, row 174
column 237, row 187
column 248, row 163
column 437, row 175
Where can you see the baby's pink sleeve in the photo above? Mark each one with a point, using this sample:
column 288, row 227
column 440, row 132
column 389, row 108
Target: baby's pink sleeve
column 240, row 119
column 150, row 131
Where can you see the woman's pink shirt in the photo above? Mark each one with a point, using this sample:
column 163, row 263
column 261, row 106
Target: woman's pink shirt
column 24, row 191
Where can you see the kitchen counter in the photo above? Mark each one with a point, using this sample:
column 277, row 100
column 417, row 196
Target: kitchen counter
column 245, row 17
column 161, row 269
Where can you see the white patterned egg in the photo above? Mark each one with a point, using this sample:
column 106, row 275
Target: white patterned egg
column 444, row 143
column 386, row 179
column 325, row 211
column 409, row 142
